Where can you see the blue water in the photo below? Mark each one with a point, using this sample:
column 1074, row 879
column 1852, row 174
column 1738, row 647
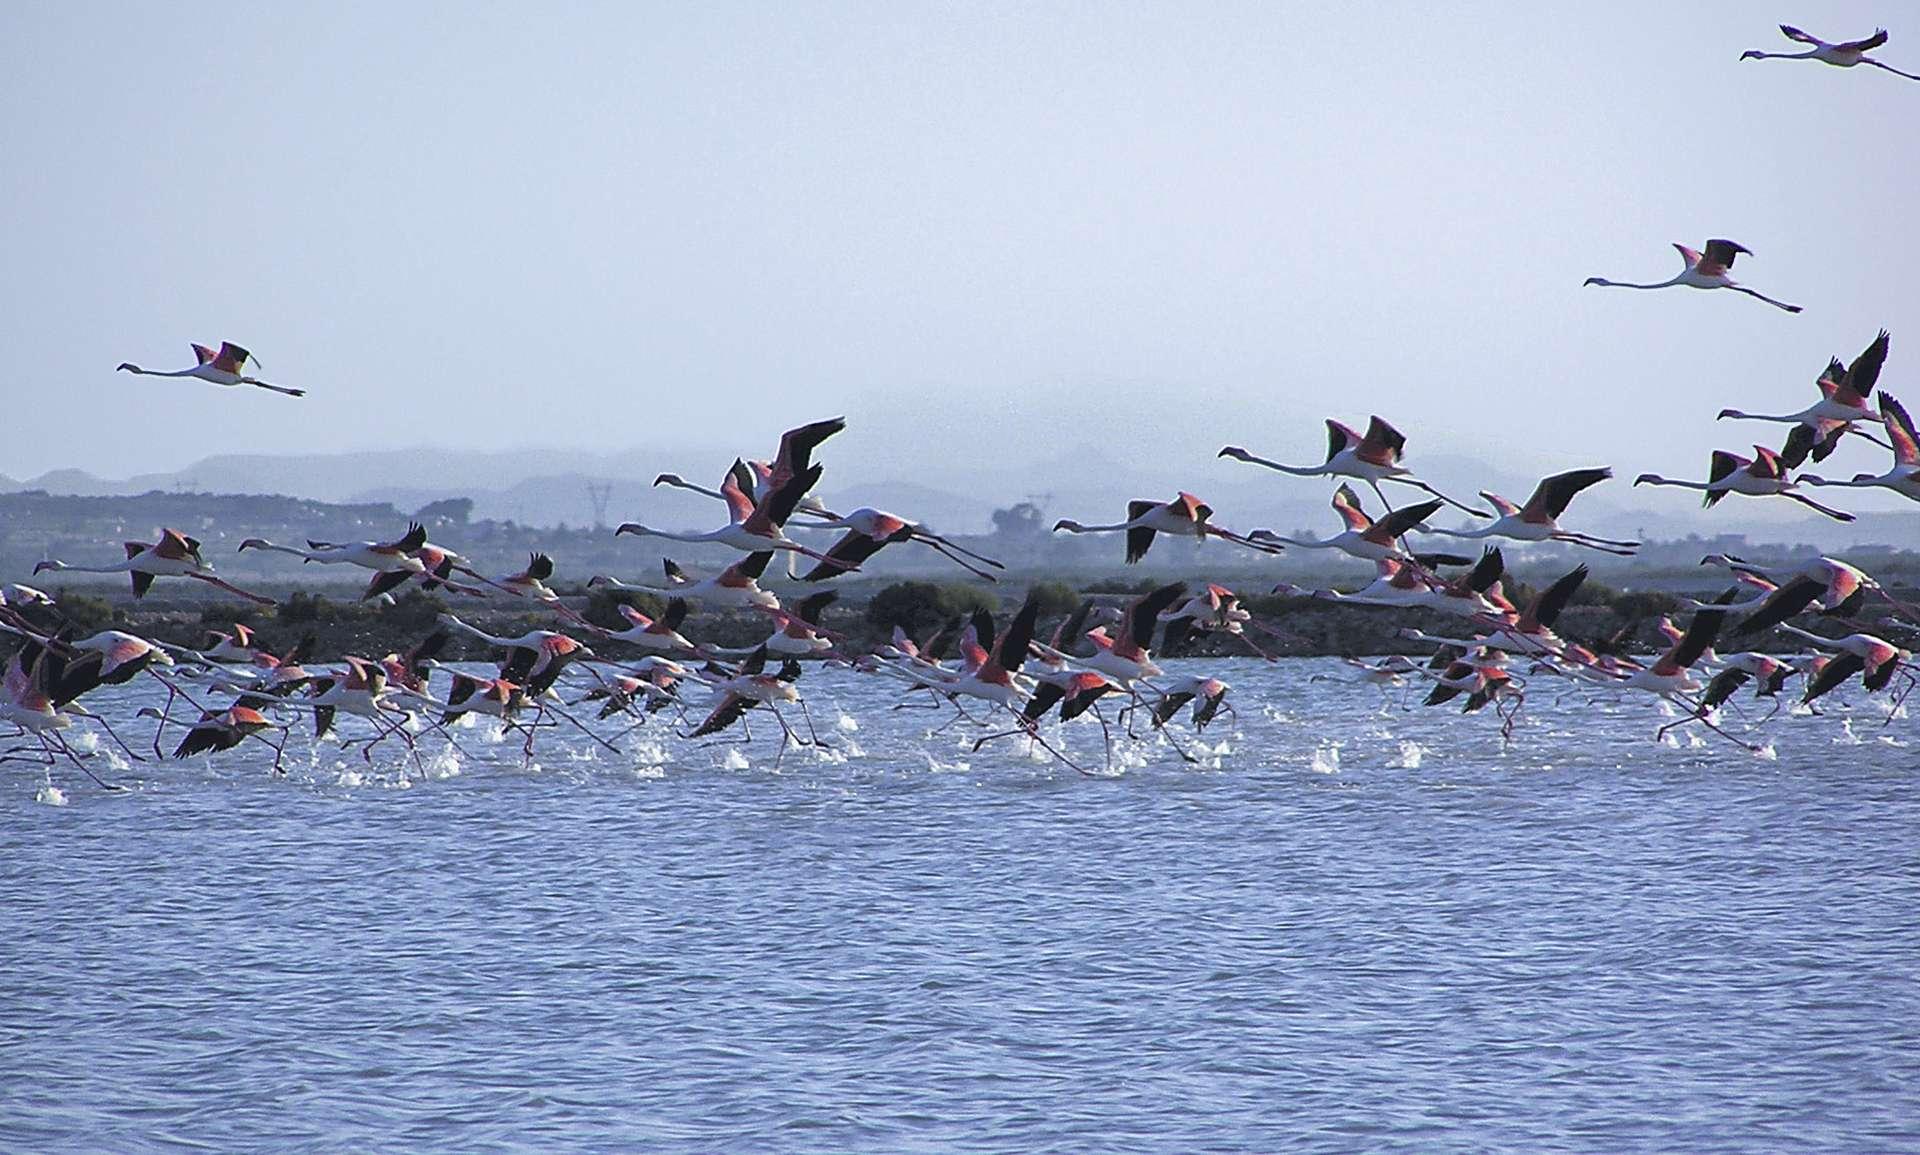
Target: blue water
column 1363, row 929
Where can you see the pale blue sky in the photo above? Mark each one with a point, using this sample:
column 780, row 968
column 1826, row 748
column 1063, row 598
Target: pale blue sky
column 981, row 231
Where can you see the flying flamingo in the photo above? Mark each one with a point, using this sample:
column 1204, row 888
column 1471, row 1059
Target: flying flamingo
column 1364, row 537
column 1373, row 459
column 534, row 659
column 174, row 555
column 1708, row 271
column 1763, row 475
column 1904, row 477
column 1844, row 54
column 1537, row 520
column 660, row 635
column 225, row 366
column 751, row 528
column 1844, row 390
column 869, row 529
column 736, row 586
column 1874, row 657
column 382, row 557
column 1208, row 695
column 1184, row 516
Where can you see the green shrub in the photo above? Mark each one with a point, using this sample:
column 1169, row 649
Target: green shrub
column 1055, row 598
column 918, row 606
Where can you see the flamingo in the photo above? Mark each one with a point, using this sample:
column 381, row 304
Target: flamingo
column 1835, row 586
column 223, row 730
column 1127, row 657
column 1904, row 477
column 1844, row 54
column 1537, row 520
column 486, row 697
column 224, row 366
column 1364, row 537
column 1184, row 516
column 752, row 686
column 1394, row 584
column 1763, row 475
column 530, row 582
column 1530, row 632
column 798, row 634
column 736, row 586
column 1208, row 695
column 1737, row 670
column 661, row 635
column 1214, row 609
column 1704, row 271
column 382, row 557
column 1373, row 459
column 869, row 529
column 751, row 528
column 174, row 555
column 535, row 658
column 1873, row 657
column 1844, row 390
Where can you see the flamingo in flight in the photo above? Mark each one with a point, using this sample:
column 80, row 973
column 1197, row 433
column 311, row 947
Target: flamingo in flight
column 1904, row 477
column 1538, row 519
column 1364, row 537
column 736, row 586
column 1844, row 390
column 1874, row 657
column 1373, row 459
column 382, row 557
column 869, row 529
column 1763, row 475
column 1844, row 54
column 752, row 528
column 1184, row 516
column 1703, row 271
column 174, row 555
column 223, row 366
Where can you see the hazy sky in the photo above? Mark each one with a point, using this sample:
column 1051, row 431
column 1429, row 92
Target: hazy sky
column 981, row 231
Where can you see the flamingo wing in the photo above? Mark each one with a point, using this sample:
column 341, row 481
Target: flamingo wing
column 1794, row 34
column 1866, row 44
column 1900, row 431
column 1346, row 503
column 1551, row 497
column 1865, row 371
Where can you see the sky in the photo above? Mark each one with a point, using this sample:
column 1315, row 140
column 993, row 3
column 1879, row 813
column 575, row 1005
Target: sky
column 991, row 235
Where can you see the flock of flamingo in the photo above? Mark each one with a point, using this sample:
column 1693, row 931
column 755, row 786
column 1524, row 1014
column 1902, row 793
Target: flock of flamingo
column 231, row 691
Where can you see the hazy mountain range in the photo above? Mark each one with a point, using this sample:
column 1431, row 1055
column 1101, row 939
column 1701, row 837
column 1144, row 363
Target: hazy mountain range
column 957, row 494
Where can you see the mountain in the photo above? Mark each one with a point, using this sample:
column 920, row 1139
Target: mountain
column 956, row 493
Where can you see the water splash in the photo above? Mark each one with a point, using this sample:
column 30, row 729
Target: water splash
column 733, row 759
column 51, row 795
column 847, row 722
column 1411, row 754
column 1326, row 758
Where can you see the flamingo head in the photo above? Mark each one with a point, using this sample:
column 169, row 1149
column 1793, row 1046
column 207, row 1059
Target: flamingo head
column 44, row 566
column 1235, row 452
column 632, row 527
column 1069, row 525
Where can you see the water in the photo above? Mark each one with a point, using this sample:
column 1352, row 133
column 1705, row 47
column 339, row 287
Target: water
column 1366, row 929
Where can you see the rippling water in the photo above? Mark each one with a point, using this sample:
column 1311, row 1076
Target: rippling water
column 1353, row 928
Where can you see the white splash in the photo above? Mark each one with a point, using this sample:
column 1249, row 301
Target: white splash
column 51, row 795
column 444, row 764
column 1411, row 754
column 734, row 760
column 1766, row 753
column 847, row 722
column 1326, row 759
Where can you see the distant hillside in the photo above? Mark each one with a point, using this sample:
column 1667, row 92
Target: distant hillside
column 956, row 493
